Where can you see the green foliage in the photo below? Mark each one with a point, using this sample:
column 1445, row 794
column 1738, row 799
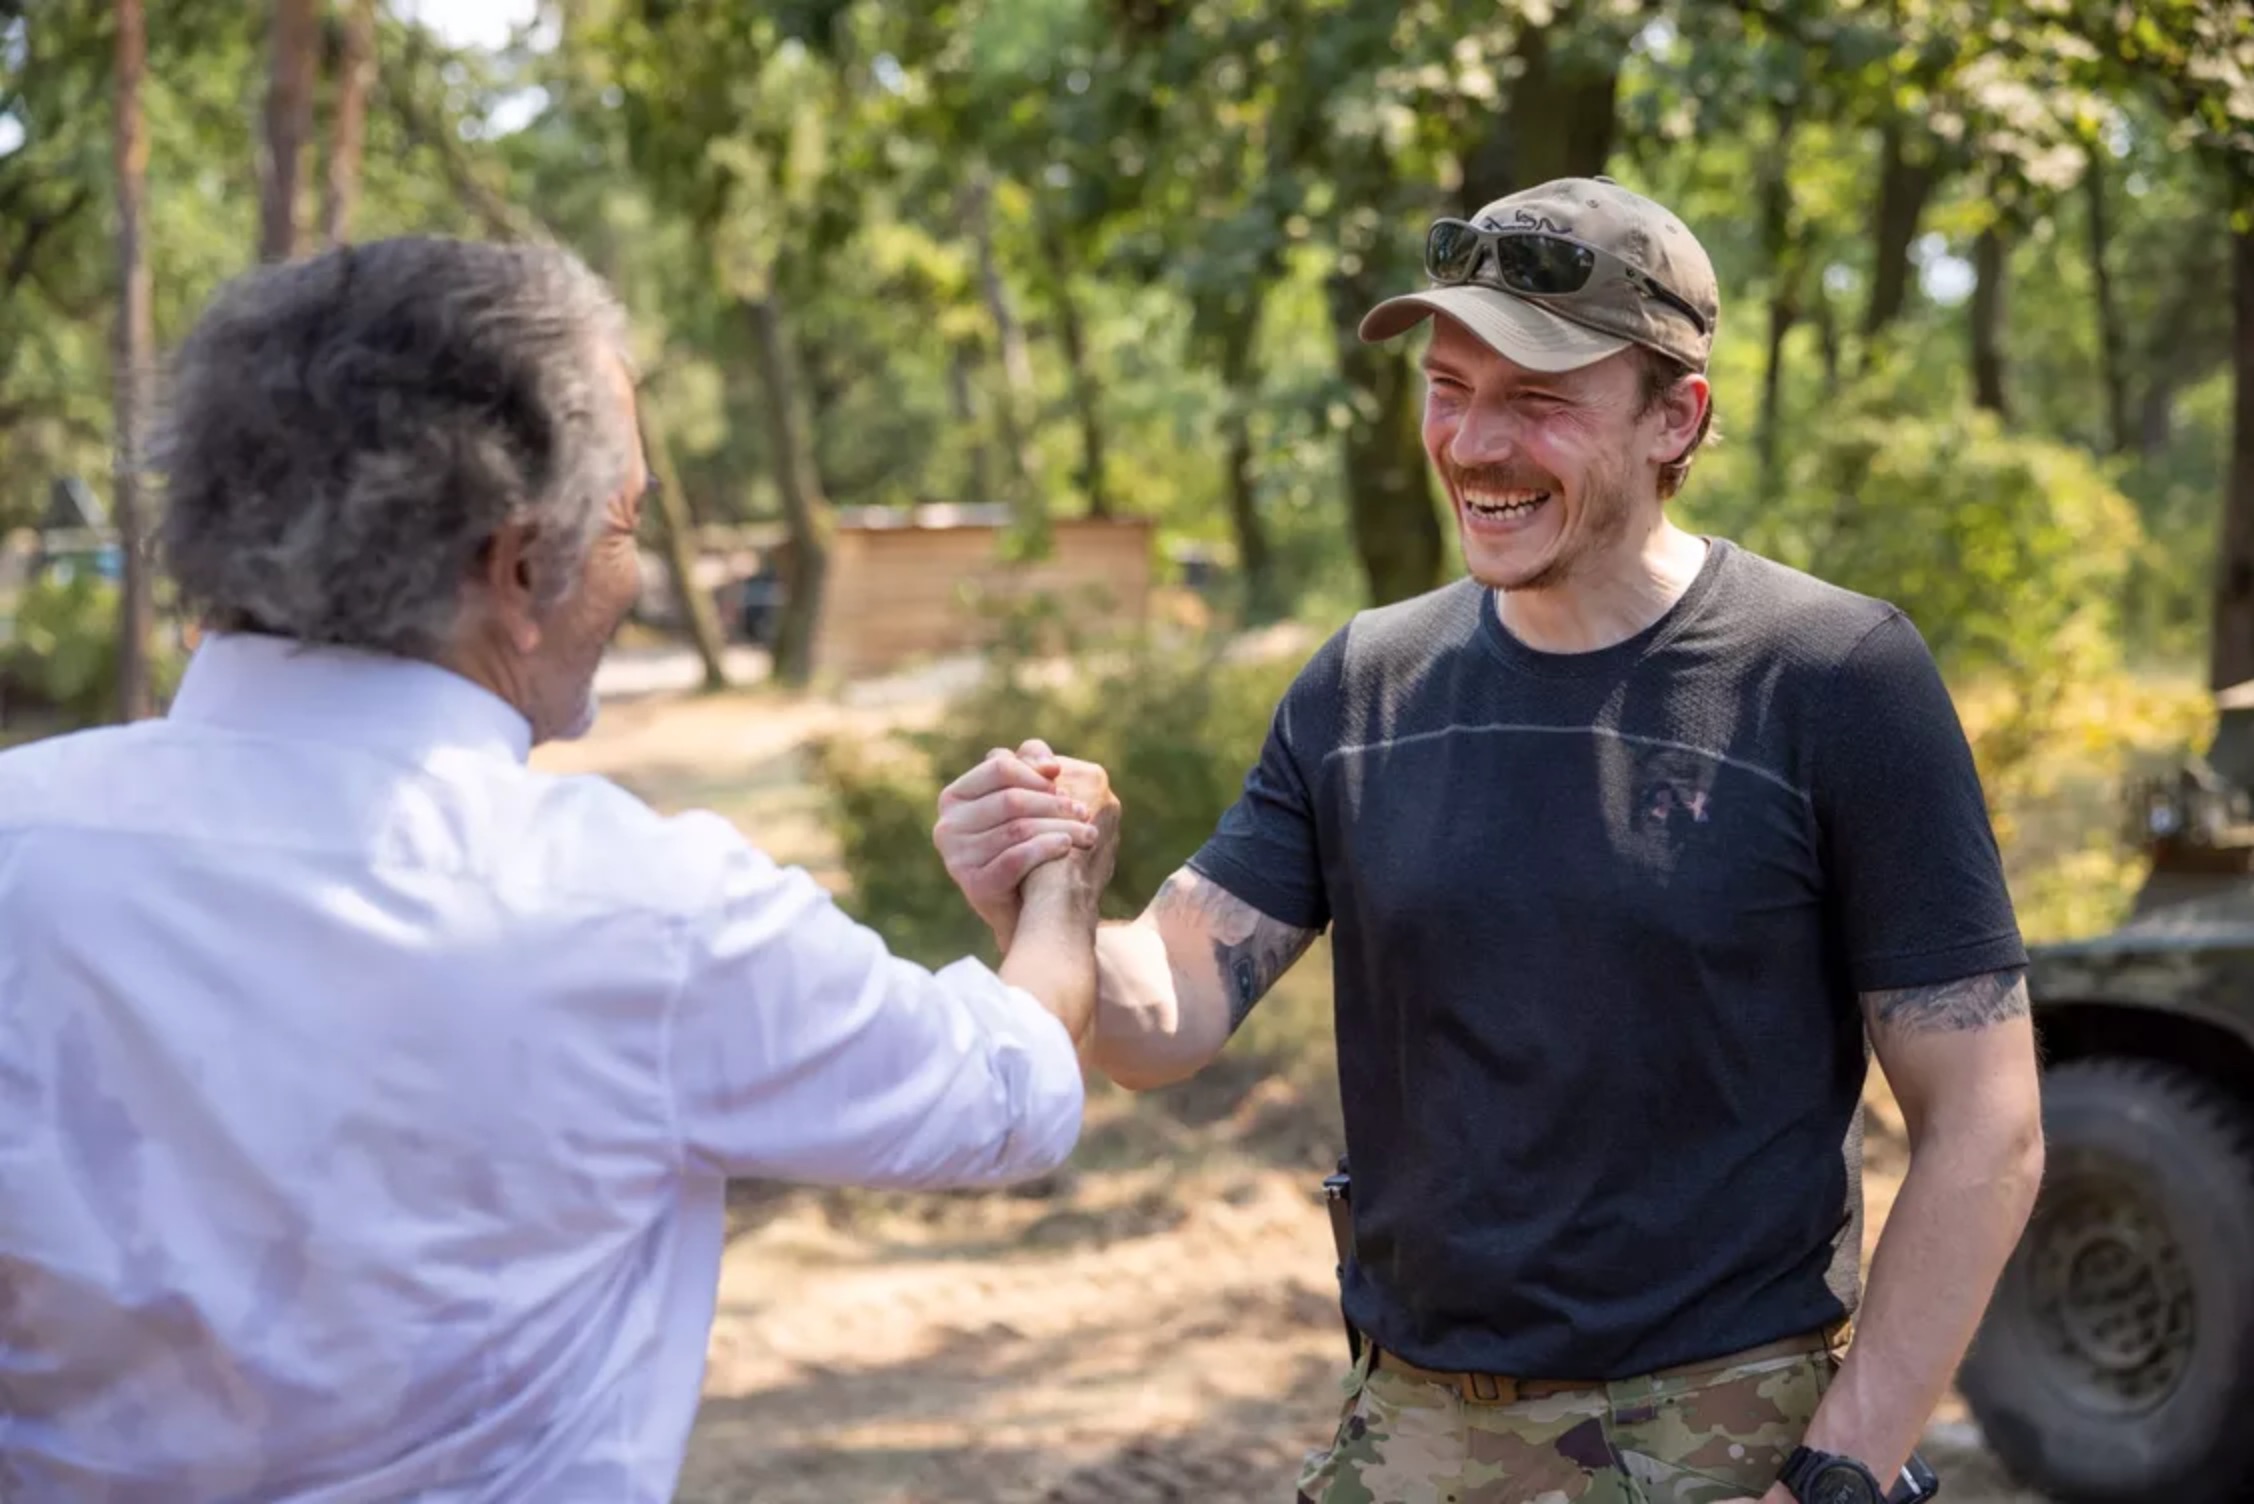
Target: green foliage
column 1218, row 186
column 2174, row 486
column 2008, row 552
column 2011, row 554
column 63, row 656
column 1177, row 726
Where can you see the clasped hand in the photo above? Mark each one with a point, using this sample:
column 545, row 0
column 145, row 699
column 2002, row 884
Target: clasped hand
column 1016, row 813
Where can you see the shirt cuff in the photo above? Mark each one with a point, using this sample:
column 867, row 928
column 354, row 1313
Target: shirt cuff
column 1036, row 1069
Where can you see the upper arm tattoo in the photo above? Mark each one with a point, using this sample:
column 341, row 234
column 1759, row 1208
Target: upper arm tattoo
column 1967, row 1003
column 1250, row 950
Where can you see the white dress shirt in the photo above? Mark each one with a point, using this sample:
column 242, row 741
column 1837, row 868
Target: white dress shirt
column 367, row 1098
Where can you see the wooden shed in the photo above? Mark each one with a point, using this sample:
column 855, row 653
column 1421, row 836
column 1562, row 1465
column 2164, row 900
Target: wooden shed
column 910, row 585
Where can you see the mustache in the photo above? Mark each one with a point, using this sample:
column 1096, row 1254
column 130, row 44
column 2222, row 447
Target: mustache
column 1497, row 478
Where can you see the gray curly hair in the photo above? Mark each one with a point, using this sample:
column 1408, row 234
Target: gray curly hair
column 345, row 433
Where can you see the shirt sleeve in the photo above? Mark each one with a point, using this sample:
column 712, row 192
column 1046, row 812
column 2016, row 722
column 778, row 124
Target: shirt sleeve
column 800, row 1048
column 1264, row 850
column 1917, row 884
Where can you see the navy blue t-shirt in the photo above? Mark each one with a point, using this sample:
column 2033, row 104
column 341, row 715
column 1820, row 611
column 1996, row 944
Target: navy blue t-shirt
column 1599, row 926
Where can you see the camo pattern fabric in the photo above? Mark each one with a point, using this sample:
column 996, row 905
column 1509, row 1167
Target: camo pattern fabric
column 1692, row 1439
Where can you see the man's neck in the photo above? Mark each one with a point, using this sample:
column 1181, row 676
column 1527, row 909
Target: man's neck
column 1608, row 599
column 476, row 659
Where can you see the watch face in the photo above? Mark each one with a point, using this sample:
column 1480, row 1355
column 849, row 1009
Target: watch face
column 1842, row 1485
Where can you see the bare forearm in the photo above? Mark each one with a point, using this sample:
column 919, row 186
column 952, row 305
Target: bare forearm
column 1177, row 982
column 1151, row 1029
column 1052, row 956
column 1961, row 1208
column 1961, row 1058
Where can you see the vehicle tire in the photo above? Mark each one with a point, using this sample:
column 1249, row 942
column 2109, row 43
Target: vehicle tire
column 2116, row 1362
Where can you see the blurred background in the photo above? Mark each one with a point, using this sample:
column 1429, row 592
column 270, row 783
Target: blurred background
column 1000, row 364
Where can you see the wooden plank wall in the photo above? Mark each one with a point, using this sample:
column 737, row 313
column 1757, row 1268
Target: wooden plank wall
column 899, row 594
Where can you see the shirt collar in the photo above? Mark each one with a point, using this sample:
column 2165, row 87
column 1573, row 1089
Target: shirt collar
column 279, row 687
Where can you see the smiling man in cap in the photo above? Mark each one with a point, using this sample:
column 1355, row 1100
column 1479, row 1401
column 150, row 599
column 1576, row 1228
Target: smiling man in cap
column 1626, row 844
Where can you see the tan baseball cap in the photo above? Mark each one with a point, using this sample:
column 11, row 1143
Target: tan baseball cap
column 1638, row 277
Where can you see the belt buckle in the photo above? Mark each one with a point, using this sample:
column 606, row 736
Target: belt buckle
column 1499, row 1390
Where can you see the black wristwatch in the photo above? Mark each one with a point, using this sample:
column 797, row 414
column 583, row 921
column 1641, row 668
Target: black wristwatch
column 1815, row 1477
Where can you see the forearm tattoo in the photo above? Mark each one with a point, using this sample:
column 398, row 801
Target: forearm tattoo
column 1967, row 1003
column 1250, row 950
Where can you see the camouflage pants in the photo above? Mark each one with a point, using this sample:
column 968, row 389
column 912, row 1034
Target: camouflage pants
column 1688, row 1439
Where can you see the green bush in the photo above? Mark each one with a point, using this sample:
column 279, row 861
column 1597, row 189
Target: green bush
column 2009, row 552
column 1176, row 726
column 63, row 657
column 2012, row 554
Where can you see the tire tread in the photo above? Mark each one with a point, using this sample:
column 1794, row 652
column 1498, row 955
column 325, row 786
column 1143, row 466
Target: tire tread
column 2218, row 1131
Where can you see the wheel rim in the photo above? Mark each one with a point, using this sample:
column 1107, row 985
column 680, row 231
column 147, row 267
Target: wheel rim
column 2111, row 1297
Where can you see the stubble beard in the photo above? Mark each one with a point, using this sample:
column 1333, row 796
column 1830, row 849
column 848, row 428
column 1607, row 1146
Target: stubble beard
column 1598, row 526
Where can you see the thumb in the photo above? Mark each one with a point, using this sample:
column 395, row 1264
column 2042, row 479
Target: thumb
column 1036, row 751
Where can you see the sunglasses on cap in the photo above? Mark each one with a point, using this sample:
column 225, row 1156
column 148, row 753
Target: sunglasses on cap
column 1537, row 263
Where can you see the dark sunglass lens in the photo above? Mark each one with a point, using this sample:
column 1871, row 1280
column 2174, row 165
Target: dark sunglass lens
column 1543, row 264
column 1450, row 251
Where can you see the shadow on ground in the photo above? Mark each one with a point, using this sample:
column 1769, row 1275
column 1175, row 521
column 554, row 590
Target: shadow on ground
column 994, row 1415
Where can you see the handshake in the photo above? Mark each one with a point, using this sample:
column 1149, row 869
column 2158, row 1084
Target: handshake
column 1030, row 839
column 1029, row 828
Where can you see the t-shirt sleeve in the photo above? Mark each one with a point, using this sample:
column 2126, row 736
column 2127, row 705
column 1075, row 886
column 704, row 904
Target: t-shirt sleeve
column 1265, row 851
column 1916, row 882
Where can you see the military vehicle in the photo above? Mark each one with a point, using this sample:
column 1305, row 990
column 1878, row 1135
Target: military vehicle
column 2116, row 1362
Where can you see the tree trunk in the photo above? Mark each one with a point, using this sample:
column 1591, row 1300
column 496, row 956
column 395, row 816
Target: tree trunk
column 349, row 133
column 1072, row 331
column 1826, row 320
column 2177, row 345
column 2231, row 654
column 2156, row 416
column 1240, row 392
column 1255, row 559
column 2113, row 362
column 1395, row 529
column 678, row 537
column 820, row 386
column 1560, row 118
column 134, row 338
column 1990, row 257
column 962, row 401
column 1905, row 183
column 1768, row 439
column 289, row 126
column 805, row 510
column 1784, row 298
column 1013, row 404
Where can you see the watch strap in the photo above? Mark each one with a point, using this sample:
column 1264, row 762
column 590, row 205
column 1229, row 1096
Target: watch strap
column 1799, row 1468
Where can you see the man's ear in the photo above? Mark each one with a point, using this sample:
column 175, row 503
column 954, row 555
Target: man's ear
column 507, row 577
column 1682, row 408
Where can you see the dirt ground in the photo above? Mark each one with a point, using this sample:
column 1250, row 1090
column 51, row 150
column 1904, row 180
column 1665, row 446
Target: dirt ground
column 1156, row 1323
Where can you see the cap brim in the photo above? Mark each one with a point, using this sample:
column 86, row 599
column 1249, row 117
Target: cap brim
column 1514, row 328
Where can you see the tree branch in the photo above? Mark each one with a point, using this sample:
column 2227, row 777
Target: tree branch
column 38, row 229
column 425, row 127
column 84, row 309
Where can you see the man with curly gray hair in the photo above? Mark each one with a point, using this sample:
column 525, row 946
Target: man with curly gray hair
column 368, row 1099
column 355, row 437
